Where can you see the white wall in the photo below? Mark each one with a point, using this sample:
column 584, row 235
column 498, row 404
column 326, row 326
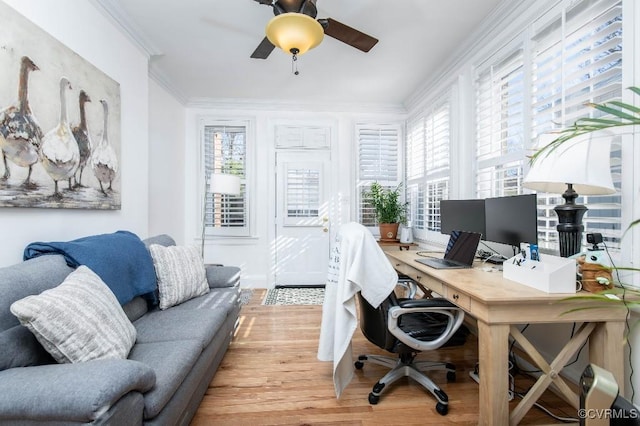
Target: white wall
column 166, row 164
column 78, row 25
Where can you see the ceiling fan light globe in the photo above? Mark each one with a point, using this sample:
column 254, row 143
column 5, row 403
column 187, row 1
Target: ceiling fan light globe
column 294, row 31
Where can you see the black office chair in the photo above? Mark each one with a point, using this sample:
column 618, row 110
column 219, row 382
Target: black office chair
column 406, row 327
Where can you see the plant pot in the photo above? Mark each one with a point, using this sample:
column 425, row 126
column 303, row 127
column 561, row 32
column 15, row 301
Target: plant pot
column 388, row 231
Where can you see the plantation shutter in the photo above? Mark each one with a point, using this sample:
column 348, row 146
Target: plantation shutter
column 416, row 163
column 577, row 58
column 378, row 161
column 428, row 166
column 499, row 126
column 225, row 152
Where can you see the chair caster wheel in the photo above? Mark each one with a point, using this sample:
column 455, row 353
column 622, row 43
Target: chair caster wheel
column 358, row 365
column 451, row 376
column 373, row 399
column 442, row 409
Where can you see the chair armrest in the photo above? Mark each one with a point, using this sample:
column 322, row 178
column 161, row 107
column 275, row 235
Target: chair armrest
column 436, row 302
column 410, row 285
column 79, row 392
column 222, row 276
column 438, row 305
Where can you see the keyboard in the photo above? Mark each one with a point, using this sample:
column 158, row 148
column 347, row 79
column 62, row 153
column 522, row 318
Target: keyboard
column 442, row 263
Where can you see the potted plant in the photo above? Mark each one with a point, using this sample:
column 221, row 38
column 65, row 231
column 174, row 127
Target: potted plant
column 390, row 211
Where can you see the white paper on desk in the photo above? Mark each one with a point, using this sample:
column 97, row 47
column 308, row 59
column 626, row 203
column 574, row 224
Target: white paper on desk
column 357, row 264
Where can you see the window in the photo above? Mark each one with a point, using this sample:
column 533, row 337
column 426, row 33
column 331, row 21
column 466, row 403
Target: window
column 576, row 59
column 225, row 151
column 428, row 166
column 378, row 161
column 499, row 126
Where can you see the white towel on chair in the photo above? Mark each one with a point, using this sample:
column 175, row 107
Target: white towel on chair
column 357, row 263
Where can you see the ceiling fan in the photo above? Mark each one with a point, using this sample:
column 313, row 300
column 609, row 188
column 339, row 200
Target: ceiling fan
column 331, row 27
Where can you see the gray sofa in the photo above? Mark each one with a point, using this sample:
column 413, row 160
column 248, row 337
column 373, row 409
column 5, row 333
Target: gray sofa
column 163, row 381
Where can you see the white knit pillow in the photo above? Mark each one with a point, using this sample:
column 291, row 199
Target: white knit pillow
column 180, row 273
column 79, row 320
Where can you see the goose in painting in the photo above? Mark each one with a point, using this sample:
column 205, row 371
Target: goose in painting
column 20, row 133
column 60, row 155
column 83, row 137
column 104, row 161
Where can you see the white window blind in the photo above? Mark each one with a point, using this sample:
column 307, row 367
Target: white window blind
column 225, row 152
column 303, row 193
column 499, row 125
column 577, row 59
column 428, row 166
column 378, row 161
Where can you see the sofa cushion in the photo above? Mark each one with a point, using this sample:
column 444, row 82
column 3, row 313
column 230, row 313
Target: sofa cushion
column 162, row 239
column 218, row 299
column 179, row 324
column 171, row 361
column 222, row 276
column 66, row 393
column 180, row 273
column 27, row 278
column 80, row 320
column 20, row 348
column 135, row 308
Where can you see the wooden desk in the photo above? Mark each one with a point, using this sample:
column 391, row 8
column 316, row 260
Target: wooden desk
column 498, row 304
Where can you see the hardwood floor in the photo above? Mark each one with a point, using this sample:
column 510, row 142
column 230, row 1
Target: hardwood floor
column 271, row 376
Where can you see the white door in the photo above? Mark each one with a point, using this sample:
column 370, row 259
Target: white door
column 302, row 217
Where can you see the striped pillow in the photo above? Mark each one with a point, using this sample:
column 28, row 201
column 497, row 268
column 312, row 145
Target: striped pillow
column 180, row 273
column 79, row 320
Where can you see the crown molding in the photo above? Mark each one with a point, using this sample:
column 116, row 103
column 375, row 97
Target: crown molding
column 163, row 81
column 114, row 11
column 504, row 15
column 281, row 105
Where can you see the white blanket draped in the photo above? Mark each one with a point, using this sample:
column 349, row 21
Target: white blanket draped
column 357, row 263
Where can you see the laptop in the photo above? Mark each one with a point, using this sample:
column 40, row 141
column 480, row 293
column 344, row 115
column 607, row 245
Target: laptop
column 460, row 251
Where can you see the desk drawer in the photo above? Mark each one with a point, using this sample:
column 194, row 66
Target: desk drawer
column 458, row 298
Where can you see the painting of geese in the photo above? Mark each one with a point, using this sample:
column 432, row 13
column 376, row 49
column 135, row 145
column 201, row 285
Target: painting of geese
column 59, row 150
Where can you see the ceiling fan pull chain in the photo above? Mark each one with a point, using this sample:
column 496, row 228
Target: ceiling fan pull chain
column 294, row 61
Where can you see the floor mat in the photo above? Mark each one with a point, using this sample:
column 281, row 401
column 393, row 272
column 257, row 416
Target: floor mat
column 294, row 296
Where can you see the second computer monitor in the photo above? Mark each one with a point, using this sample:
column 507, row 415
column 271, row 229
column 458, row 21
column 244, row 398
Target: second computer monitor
column 512, row 220
column 462, row 215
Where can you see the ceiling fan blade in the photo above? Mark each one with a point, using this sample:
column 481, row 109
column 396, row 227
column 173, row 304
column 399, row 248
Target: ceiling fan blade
column 267, row 2
column 348, row 35
column 263, row 50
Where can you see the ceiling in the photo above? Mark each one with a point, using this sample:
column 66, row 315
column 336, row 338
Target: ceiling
column 200, row 49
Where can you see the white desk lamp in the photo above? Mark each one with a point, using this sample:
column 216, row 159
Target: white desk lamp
column 222, row 183
column 579, row 165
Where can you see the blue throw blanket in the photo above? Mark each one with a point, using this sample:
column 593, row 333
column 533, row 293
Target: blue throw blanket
column 121, row 259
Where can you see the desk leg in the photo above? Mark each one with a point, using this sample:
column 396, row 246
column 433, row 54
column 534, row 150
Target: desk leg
column 606, row 349
column 493, row 351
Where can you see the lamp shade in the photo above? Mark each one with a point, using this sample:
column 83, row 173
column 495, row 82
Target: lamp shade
column 294, row 31
column 583, row 161
column 221, row 183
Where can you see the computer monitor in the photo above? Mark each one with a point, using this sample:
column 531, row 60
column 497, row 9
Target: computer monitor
column 512, row 220
column 462, row 215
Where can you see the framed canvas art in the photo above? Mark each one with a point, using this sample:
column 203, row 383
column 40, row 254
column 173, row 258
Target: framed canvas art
column 59, row 123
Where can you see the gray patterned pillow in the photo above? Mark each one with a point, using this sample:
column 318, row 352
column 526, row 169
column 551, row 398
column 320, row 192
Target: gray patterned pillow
column 79, row 320
column 180, row 272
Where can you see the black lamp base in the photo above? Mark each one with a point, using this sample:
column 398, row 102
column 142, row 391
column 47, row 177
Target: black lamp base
column 570, row 223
